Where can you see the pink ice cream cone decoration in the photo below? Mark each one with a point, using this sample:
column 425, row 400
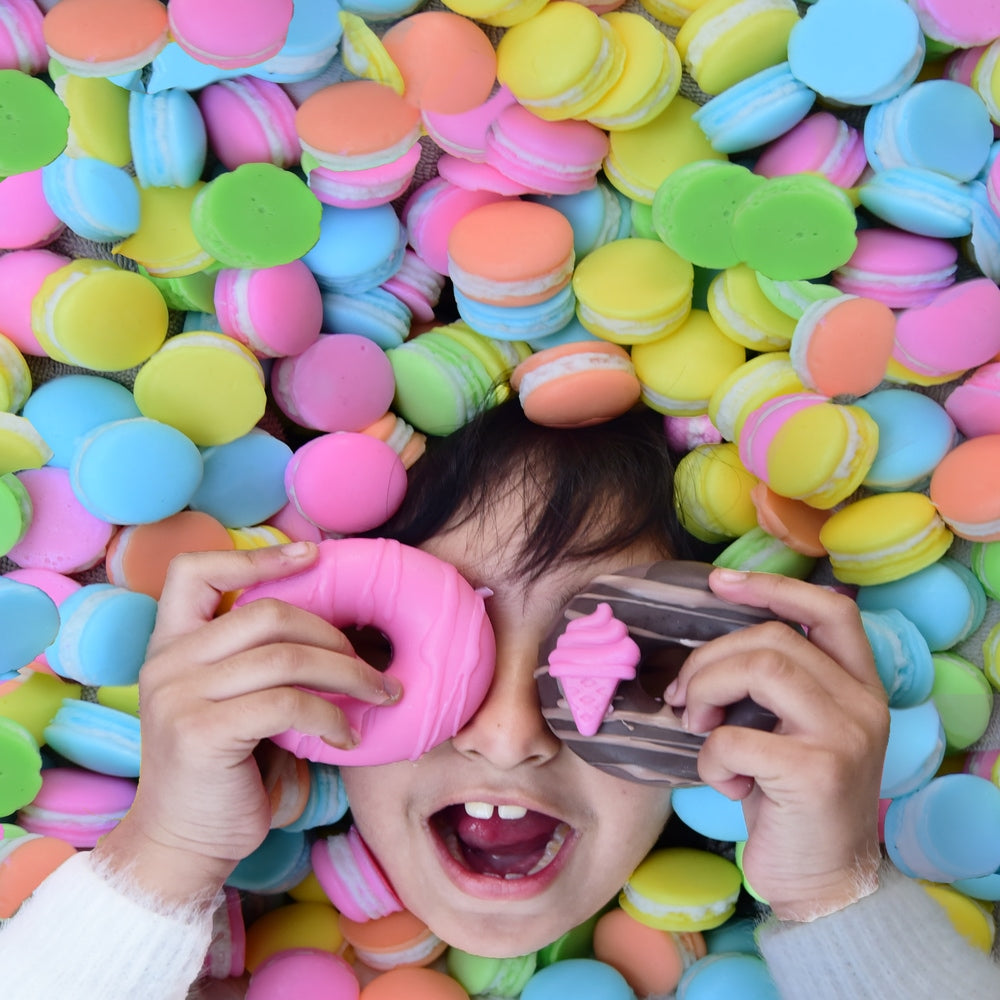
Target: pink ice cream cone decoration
column 591, row 658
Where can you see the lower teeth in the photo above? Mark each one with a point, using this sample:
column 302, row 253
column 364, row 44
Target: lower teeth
column 552, row 848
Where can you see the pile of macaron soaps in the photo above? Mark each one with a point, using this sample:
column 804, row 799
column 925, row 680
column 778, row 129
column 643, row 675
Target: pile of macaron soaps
column 248, row 263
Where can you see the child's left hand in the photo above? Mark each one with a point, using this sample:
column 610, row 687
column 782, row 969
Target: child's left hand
column 810, row 788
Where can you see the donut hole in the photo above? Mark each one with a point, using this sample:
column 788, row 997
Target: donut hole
column 370, row 644
column 659, row 667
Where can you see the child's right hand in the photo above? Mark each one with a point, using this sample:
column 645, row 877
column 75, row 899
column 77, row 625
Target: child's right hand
column 211, row 689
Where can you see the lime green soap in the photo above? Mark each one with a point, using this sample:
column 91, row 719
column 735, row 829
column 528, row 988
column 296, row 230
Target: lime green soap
column 21, row 767
column 642, row 221
column 577, row 942
column 757, row 551
column 15, row 511
column 963, row 697
column 794, row 297
column 256, row 216
column 34, row 123
column 694, row 207
column 492, row 977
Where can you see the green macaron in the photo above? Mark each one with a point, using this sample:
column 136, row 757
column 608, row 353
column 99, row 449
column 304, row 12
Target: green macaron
column 34, row 123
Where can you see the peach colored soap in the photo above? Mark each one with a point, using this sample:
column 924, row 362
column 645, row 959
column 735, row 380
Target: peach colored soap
column 105, row 37
column 965, row 488
column 447, row 61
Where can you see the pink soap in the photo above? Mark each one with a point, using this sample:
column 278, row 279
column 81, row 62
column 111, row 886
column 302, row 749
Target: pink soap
column 975, row 404
column 230, row 34
column 77, row 805
column 21, row 275
column 960, row 65
column 554, row 157
column 430, row 214
column 250, row 121
column 275, row 311
column 345, row 482
column 343, row 382
column 820, row 144
column 25, row 217
column 480, row 177
column 898, row 268
column 765, row 422
column 63, row 535
column 365, row 188
column 958, row 330
column 293, row 524
column 463, row 134
column 962, row 24
column 226, row 956
column 305, row 974
column 22, row 43
column 686, row 433
column 417, row 285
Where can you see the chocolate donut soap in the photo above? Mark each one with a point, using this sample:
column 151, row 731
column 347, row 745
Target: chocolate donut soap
column 609, row 656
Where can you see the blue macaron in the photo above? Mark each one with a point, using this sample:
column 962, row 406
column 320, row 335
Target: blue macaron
column 984, row 241
column 915, row 750
column 518, row 322
column 375, row 314
column 597, row 215
column 710, row 813
column 327, row 801
column 579, row 979
column 29, row 622
column 168, row 138
column 919, row 201
column 96, row 737
column 902, row 656
column 311, row 43
column 97, row 200
column 280, row 863
column 724, row 975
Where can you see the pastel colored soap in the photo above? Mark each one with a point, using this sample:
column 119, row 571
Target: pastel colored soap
column 712, row 489
column 575, row 385
column 27, row 220
column 231, row 34
column 22, row 42
column 31, row 622
column 35, row 126
column 821, row 143
column 884, row 537
column 975, row 404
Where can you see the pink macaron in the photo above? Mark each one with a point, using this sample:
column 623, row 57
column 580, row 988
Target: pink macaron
column 21, row 275
column 464, row 133
column 77, row 805
column 417, row 285
column 343, row 382
column 364, row 188
column 480, row 177
column 970, row 313
column 63, row 535
column 975, row 404
column 22, row 42
column 898, row 268
column 276, row 311
column 346, row 483
column 249, row 120
column 306, row 974
column 230, row 34
column 821, row 144
column 351, row 877
column 576, row 385
column 430, row 214
column 26, row 220
column 552, row 157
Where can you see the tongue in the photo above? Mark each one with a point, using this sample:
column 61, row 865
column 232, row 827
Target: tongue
column 498, row 846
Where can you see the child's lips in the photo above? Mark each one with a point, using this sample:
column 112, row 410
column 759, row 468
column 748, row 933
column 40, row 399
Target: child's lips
column 493, row 856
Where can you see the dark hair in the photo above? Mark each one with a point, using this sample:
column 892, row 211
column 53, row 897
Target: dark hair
column 593, row 490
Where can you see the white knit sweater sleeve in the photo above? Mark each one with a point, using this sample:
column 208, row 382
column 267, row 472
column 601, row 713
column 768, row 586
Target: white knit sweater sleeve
column 896, row 944
column 85, row 936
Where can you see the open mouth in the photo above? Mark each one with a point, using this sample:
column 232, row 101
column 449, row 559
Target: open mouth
column 499, row 841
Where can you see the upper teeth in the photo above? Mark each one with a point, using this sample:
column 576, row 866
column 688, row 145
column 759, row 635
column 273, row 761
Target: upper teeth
column 484, row 810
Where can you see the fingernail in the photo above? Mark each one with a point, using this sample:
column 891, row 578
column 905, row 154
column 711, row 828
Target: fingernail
column 731, row 575
column 670, row 691
column 297, row 550
column 392, row 687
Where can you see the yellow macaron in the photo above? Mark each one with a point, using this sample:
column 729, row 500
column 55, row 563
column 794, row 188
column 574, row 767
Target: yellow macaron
column 713, row 493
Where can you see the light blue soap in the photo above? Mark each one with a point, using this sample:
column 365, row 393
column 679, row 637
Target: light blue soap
column 914, row 434
column 517, row 322
column 578, row 979
column 103, row 636
column 902, row 656
column 572, row 333
column 94, row 736
column 327, row 800
column 883, row 37
column 312, row 41
column 947, row 830
column 737, row 934
column 710, row 813
column 67, row 407
column 279, row 864
column 938, row 125
column 96, row 200
column 380, row 10
column 597, row 215
column 944, row 600
column 244, row 480
column 195, row 322
column 375, row 314
column 755, row 110
column 726, row 976
column 172, row 67
column 985, row 888
column 915, row 750
column 135, row 471
column 919, row 201
column 168, row 137
column 29, row 622
column 358, row 248
column 984, row 243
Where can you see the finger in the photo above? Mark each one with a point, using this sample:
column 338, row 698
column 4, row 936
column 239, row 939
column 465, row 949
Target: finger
column 195, row 582
column 734, row 758
column 832, row 619
column 259, row 623
column 772, row 679
column 266, row 667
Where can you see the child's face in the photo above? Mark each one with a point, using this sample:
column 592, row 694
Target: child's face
column 507, row 885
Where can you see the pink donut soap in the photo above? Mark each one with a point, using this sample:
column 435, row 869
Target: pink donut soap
column 442, row 642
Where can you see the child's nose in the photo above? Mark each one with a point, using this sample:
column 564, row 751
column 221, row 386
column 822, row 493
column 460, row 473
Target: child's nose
column 508, row 729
